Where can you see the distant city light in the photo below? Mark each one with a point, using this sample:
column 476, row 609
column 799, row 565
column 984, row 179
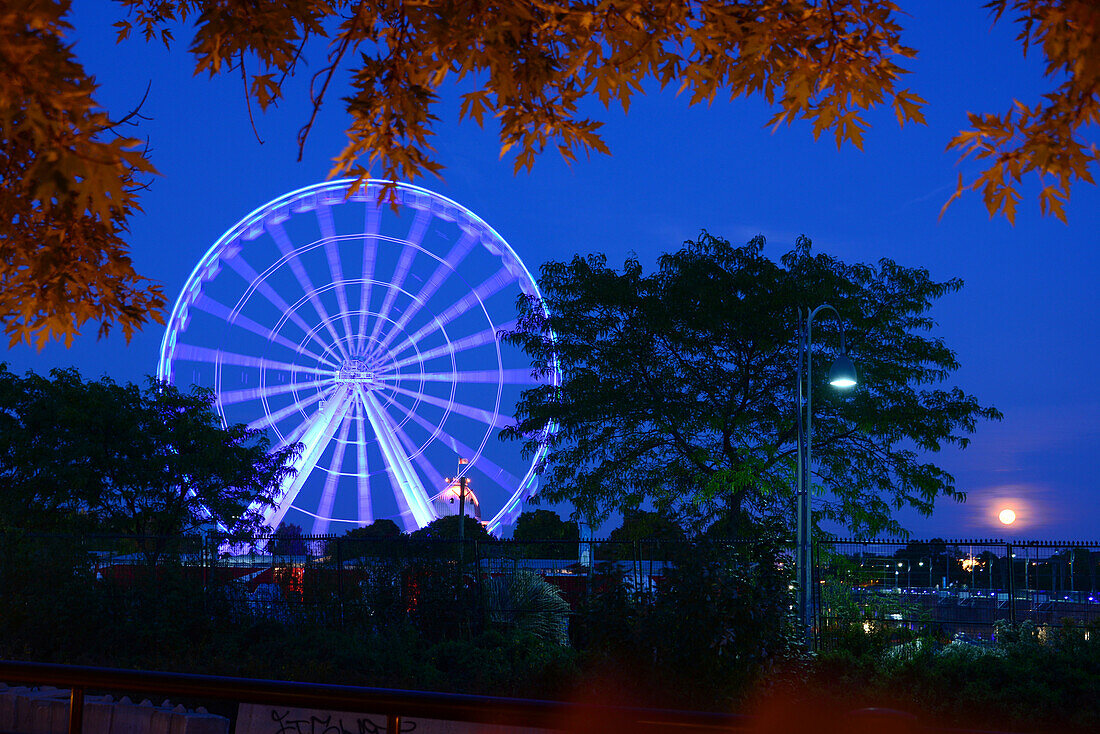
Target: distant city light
column 1007, row 516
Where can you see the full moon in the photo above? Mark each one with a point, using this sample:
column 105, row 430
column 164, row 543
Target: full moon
column 1007, row 516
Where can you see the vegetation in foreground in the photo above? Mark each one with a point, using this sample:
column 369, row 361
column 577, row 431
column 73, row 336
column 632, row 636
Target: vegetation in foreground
column 716, row 635
column 1030, row 678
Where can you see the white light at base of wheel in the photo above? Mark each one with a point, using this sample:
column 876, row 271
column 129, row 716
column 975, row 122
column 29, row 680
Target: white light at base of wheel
column 372, row 337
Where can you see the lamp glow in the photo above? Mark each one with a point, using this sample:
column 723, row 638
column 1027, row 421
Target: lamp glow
column 1007, row 516
column 843, row 372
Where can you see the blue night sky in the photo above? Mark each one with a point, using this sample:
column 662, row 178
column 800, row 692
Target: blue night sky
column 1024, row 325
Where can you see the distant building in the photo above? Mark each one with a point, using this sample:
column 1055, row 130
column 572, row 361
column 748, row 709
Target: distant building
column 449, row 500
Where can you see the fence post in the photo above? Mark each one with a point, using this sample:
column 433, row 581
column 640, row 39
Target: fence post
column 477, row 580
column 637, row 567
column 815, row 594
column 1011, row 583
column 340, row 578
column 591, row 568
column 76, row 710
column 205, row 563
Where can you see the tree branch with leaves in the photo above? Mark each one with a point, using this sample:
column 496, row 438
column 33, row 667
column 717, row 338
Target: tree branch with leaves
column 70, row 185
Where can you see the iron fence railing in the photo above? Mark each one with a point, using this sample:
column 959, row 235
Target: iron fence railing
column 398, row 706
column 945, row 587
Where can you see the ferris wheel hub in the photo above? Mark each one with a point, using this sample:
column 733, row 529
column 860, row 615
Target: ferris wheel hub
column 360, row 372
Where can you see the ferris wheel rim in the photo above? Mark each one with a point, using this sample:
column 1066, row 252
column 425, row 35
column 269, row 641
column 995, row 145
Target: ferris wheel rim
column 336, row 184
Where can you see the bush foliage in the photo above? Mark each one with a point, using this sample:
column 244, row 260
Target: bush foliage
column 708, row 627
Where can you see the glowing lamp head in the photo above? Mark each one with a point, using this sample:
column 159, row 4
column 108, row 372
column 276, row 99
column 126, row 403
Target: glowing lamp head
column 843, row 372
column 1007, row 516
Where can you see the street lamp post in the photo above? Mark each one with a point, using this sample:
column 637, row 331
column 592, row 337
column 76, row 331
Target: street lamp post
column 908, row 575
column 1071, row 554
column 462, row 480
column 921, row 564
column 842, row 375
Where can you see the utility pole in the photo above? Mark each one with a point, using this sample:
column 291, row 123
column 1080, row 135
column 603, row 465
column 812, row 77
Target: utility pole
column 462, row 479
column 459, row 585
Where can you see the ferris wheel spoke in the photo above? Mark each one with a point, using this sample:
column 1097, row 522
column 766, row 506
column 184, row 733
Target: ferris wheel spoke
column 362, row 479
column 445, row 268
column 477, row 339
column 295, row 435
column 489, row 418
column 370, row 253
column 434, row 477
column 232, row 397
column 192, row 353
column 246, row 271
column 470, row 377
column 412, row 500
column 316, row 438
column 401, row 270
column 335, row 269
column 270, row 419
column 282, row 241
column 214, row 308
column 490, row 287
column 328, row 495
column 500, row 476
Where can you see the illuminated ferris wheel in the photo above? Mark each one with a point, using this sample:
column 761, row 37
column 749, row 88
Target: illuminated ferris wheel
column 371, row 334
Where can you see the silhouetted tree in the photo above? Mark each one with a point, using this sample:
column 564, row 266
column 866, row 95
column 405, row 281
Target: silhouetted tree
column 145, row 461
column 537, row 526
column 678, row 385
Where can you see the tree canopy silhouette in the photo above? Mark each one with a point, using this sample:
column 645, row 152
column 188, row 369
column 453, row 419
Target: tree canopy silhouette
column 678, row 385
column 152, row 460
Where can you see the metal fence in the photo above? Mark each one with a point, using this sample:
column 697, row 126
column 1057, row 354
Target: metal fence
column 399, row 709
column 450, row 584
column 951, row 589
column 444, row 588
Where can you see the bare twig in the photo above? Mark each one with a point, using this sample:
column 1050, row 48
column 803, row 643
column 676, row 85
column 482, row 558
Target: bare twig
column 334, row 63
column 248, row 103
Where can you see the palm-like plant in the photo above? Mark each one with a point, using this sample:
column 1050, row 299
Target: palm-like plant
column 525, row 601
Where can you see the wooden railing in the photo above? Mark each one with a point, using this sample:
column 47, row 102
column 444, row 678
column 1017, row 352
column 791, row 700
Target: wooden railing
column 397, row 705
column 394, row 704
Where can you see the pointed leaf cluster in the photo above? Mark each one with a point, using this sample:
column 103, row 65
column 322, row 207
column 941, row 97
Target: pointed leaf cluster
column 68, row 183
column 531, row 62
column 1047, row 139
column 70, row 180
